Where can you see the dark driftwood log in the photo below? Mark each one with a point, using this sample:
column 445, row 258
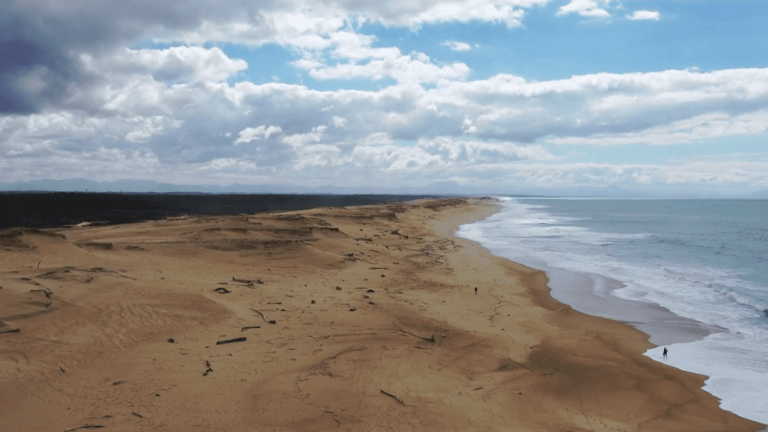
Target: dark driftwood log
column 222, row 290
column 249, row 327
column 16, row 330
column 428, row 339
column 264, row 317
column 87, row 426
column 393, row 396
column 248, row 282
column 48, row 294
column 240, row 339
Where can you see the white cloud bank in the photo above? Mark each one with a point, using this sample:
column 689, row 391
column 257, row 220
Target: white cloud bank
column 502, row 130
column 184, row 114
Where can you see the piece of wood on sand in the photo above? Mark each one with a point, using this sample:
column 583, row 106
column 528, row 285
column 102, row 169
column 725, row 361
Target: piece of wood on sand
column 85, row 426
column 428, row 339
column 393, row 396
column 240, row 339
column 265, row 317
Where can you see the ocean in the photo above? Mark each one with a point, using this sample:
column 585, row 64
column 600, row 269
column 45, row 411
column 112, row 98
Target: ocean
column 692, row 274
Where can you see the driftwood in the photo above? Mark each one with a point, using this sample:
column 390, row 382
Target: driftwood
column 87, row 426
column 428, row 339
column 249, row 327
column 208, row 365
column 393, row 396
column 137, row 414
column 240, row 339
column 334, row 415
column 265, row 317
column 397, row 232
column 378, row 268
column 48, row 294
column 248, row 282
column 222, row 290
column 16, row 330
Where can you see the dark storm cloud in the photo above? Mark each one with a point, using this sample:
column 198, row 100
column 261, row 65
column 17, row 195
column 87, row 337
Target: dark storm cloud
column 41, row 41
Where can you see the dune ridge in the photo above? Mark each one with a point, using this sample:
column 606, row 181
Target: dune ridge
column 349, row 318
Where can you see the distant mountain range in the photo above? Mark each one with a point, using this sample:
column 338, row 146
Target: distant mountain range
column 440, row 188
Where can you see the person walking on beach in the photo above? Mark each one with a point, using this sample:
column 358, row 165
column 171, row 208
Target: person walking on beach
column 665, row 353
column 475, row 290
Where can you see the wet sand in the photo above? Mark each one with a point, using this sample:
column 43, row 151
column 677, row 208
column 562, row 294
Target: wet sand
column 355, row 318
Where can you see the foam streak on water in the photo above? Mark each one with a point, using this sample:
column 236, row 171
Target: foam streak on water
column 639, row 260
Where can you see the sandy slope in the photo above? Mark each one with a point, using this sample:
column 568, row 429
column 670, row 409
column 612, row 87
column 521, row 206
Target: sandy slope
column 354, row 293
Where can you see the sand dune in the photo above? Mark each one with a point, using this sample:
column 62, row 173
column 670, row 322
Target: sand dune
column 376, row 326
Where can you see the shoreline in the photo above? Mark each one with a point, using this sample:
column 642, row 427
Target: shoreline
column 731, row 364
column 353, row 291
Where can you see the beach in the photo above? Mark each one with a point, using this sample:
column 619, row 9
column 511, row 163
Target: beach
column 336, row 318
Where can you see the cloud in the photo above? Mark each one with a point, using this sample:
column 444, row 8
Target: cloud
column 696, row 129
column 506, row 107
column 180, row 63
column 302, row 139
column 483, row 129
column 249, row 134
column 42, row 43
column 723, row 175
column 357, row 59
column 457, row 46
column 339, row 122
column 474, row 152
column 640, row 15
column 420, row 12
column 414, row 68
column 585, row 8
column 76, row 101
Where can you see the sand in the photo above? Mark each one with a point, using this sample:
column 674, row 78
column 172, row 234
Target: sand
column 367, row 320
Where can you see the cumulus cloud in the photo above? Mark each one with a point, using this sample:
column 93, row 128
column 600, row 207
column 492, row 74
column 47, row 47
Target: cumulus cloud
column 586, row 8
column 356, row 58
column 302, row 139
column 250, row 134
column 180, row 63
column 473, row 152
column 698, row 173
column 415, row 68
column 640, row 15
column 402, row 128
column 339, row 122
column 457, row 46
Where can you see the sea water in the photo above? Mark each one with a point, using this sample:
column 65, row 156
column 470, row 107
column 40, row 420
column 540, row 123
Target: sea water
column 693, row 274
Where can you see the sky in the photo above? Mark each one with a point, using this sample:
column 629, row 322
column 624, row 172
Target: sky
column 488, row 95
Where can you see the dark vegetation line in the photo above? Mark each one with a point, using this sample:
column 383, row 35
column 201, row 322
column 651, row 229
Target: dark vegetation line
column 57, row 209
